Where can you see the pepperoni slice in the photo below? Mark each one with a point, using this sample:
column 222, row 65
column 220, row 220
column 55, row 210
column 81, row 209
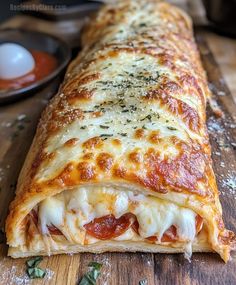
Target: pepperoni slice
column 169, row 235
column 152, row 239
column 109, row 227
column 54, row 231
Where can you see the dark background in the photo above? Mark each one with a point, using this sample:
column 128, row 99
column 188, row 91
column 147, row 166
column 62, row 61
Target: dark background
column 6, row 12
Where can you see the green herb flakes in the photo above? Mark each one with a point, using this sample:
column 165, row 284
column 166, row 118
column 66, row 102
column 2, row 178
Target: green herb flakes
column 139, row 59
column 142, row 25
column 36, row 272
column 32, row 270
column 143, row 282
column 104, row 127
column 90, row 278
column 106, row 135
column 95, row 265
column 123, row 134
column 33, row 262
column 171, row 128
column 149, row 117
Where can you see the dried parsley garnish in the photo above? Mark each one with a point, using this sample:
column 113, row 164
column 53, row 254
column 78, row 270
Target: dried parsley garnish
column 32, row 270
column 103, row 127
column 171, row 128
column 143, row 282
column 90, row 278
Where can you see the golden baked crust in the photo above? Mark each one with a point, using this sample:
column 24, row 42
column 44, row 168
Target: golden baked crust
column 109, row 246
column 130, row 114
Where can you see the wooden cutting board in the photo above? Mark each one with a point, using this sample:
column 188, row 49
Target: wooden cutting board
column 18, row 123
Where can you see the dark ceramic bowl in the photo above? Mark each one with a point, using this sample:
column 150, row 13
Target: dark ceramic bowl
column 37, row 41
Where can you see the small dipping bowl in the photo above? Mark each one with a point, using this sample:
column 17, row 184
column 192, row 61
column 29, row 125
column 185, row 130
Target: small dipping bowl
column 35, row 41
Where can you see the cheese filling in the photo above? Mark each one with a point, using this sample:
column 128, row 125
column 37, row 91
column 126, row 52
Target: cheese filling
column 70, row 211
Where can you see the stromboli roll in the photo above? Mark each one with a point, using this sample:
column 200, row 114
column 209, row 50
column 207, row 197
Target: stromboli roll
column 121, row 159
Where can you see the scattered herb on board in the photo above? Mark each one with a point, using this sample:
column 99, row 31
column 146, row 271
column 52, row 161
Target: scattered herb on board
column 36, row 272
column 32, row 270
column 34, row 261
column 90, row 278
column 143, row 282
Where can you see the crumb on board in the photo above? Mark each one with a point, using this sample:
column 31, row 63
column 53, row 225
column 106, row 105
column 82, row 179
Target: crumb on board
column 216, row 109
column 228, row 183
column 214, row 126
column 10, row 275
column 20, row 118
column 16, row 275
column 222, row 164
column 17, row 124
column 219, row 131
column 221, row 93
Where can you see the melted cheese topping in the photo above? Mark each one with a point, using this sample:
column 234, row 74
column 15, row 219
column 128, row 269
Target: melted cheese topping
column 111, row 86
column 71, row 210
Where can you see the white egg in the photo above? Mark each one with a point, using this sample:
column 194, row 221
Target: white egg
column 15, row 61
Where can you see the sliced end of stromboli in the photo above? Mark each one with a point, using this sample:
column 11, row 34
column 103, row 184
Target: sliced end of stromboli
column 99, row 219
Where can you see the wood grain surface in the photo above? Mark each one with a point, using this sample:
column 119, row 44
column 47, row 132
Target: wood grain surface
column 18, row 123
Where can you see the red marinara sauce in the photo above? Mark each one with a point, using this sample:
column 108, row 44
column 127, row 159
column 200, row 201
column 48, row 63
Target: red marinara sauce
column 109, row 227
column 45, row 63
